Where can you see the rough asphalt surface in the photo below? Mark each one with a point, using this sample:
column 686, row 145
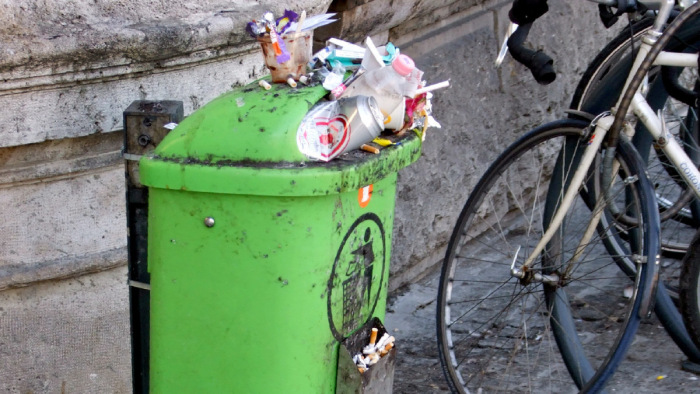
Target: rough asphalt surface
column 652, row 365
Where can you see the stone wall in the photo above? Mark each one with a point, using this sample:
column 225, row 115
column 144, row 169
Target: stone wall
column 484, row 110
column 70, row 68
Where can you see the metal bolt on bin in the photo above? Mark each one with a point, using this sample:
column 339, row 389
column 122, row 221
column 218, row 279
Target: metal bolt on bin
column 261, row 262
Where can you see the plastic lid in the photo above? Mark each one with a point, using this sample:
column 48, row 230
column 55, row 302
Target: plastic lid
column 403, row 65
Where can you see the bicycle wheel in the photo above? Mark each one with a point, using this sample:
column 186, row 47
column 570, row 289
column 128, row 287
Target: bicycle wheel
column 689, row 293
column 499, row 332
column 597, row 91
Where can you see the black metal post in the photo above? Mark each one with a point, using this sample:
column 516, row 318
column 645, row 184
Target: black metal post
column 144, row 127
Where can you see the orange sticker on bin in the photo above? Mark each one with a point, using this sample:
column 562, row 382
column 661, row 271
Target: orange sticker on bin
column 364, row 195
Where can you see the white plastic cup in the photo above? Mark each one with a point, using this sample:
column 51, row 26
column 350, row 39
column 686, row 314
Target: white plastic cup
column 392, row 106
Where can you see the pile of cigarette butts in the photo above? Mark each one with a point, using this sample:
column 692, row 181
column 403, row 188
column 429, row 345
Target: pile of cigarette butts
column 399, row 99
column 374, row 351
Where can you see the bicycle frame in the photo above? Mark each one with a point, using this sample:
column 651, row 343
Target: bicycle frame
column 654, row 124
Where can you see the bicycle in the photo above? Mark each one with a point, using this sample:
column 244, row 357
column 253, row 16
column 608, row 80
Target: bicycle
column 597, row 90
column 558, row 296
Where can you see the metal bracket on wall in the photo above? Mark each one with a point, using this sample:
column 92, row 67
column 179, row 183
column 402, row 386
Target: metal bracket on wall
column 146, row 123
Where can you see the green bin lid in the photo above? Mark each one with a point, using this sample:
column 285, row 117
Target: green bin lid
column 244, row 142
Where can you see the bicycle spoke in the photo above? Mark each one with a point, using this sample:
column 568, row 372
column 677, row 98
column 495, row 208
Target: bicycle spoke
column 498, row 328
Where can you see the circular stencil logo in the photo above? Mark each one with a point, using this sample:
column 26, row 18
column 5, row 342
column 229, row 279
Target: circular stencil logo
column 357, row 277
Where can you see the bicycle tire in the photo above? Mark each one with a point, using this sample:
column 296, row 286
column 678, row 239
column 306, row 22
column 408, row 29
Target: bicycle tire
column 689, row 291
column 597, row 91
column 476, row 358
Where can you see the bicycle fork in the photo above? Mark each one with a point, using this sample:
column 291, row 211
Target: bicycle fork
column 589, row 155
column 602, row 125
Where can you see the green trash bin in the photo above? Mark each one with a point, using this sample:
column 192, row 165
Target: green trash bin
column 261, row 262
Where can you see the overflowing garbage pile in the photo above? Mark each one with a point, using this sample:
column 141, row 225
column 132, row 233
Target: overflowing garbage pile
column 371, row 90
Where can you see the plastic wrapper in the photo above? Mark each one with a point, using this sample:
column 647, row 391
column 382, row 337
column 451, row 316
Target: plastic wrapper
column 286, row 20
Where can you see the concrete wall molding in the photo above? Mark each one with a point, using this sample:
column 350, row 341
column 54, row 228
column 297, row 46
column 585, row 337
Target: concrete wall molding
column 23, row 275
column 53, row 171
column 76, row 53
column 22, row 82
column 85, row 34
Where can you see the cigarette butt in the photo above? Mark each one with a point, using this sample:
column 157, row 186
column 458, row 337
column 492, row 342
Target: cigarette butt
column 370, row 149
column 362, row 370
column 263, row 83
column 383, row 340
column 373, row 358
column 369, row 349
column 304, row 79
column 430, row 88
column 373, row 335
column 386, row 348
column 291, row 82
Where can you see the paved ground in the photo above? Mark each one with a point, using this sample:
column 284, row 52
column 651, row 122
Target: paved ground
column 651, row 366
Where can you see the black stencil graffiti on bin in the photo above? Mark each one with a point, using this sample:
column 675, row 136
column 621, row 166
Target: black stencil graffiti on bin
column 357, row 277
